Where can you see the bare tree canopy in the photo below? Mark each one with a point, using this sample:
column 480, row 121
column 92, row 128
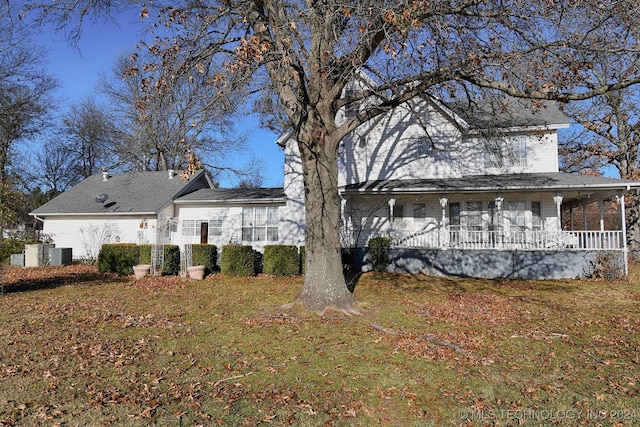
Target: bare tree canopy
column 300, row 56
column 164, row 117
column 608, row 137
column 25, row 106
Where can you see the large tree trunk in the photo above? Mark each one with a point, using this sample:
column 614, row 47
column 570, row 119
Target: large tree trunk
column 324, row 284
column 633, row 227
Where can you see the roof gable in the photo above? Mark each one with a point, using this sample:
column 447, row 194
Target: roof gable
column 123, row 193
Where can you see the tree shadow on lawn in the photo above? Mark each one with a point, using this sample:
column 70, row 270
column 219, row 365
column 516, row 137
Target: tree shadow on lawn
column 453, row 284
column 24, row 279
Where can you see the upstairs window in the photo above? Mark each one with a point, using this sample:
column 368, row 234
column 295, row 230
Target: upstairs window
column 506, row 152
column 351, row 109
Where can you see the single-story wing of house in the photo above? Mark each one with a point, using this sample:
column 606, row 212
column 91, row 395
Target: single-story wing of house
column 162, row 208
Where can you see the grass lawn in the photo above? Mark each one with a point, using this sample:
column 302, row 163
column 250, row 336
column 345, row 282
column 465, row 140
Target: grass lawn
column 78, row 348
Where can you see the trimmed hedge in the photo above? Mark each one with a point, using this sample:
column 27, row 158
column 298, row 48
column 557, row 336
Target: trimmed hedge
column 379, row 253
column 206, row 255
column 145, row 254
column 303, row 260
column 281, row 260
column 118, row 258
column 237, row 260
column 171, row 265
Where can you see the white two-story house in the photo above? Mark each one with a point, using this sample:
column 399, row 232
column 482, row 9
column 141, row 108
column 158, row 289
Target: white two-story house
column 470, row 190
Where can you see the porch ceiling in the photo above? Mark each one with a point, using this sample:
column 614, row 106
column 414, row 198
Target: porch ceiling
column 572, row 187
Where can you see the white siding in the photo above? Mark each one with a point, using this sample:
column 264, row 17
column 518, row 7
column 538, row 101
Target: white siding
column 292, row 216
column 398, row 145
column 421, row 142
column 84, row 234
column 231, row 227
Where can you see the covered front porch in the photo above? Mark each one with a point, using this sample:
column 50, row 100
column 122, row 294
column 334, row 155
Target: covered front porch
column 529, row 240
column 509, row 213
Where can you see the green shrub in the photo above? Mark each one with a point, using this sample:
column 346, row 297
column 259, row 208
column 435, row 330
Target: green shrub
column 379, row 253
column 206, row 255
column 9, row 247
column 237, row 260
column 171, row 264
column 303, row 260
column 281, row 260
column 118, row 258
column 145, row 254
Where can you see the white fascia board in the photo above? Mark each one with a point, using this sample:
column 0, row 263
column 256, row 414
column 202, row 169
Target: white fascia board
column 520, row 129
column 46, row 214
column 233, row 202
column 282, row 139
column 415, row 191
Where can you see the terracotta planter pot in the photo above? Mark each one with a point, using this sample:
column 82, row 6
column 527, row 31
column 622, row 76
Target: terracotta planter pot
column 141, row 270
column 195, row 272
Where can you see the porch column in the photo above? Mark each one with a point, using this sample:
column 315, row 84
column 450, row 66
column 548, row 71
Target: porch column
column 392, row 203
column 442, row 236
column 625, row 250
column 585, row 226
column 558, row 201
column 571, row 226
column 500, row 231
column 601, row 205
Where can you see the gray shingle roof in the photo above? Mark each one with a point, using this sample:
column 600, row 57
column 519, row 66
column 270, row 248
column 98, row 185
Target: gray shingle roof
column 127, row 193
column 507, row 113
column 212, row 195
column 506, row 182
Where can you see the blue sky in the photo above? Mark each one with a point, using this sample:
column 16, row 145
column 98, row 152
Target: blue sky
column 99, row 46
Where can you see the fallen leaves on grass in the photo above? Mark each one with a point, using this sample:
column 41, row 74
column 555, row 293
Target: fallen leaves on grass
column 18, row 279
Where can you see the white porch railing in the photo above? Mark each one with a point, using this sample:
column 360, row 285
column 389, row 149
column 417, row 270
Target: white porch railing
column 528, row 240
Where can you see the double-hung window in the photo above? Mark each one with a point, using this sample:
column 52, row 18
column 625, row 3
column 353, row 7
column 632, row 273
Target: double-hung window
column 193, row 227
column 350, row 109
column 260, row 223
column 506, row 152
column 473, row 216
column 517, row 214
column 419, row 211
column 536, row 216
